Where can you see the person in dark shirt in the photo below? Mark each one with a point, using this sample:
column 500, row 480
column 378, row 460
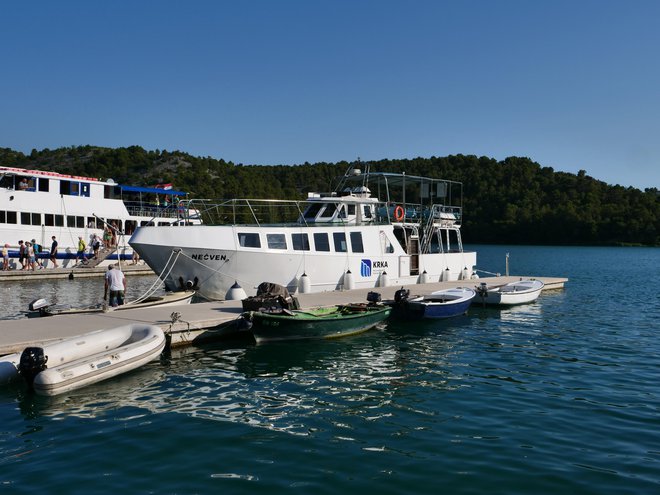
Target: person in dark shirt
column 53, row 253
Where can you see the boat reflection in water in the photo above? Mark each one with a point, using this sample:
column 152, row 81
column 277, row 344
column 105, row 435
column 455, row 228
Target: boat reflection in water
column 280, row 387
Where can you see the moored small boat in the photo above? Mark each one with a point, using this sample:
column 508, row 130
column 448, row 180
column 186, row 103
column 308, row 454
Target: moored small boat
column 445, row 303
column 90, row 358
column 518, row 292
column 41, row 307
column 317, row 323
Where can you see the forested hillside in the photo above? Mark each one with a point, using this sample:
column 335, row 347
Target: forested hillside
column 511, row 201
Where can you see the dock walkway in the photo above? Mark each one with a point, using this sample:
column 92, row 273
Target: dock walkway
column 193, row 323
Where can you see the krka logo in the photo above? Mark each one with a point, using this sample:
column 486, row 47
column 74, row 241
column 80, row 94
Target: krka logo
column 365, row 268
column 367, row 265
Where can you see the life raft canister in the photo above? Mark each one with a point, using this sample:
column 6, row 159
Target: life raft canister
column 398, row 213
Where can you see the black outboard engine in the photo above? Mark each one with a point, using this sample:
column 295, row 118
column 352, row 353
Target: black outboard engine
column 373, row 297
column 33, row 361
column 401, row 295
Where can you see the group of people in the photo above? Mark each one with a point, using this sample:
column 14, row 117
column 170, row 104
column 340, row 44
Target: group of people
column 28, row 255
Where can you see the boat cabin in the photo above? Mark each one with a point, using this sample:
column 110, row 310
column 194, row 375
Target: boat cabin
column 352, row 207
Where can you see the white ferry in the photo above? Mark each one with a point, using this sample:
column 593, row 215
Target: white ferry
column 36, row 204
column 341, row 240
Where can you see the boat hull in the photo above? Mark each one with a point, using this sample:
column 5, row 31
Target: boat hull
column 439, row 305
column 514, row 293
column 185, row 255
column 169, row 299
column 326, row 323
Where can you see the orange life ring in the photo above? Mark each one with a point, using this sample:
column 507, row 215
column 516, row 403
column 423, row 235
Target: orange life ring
column 398, row 213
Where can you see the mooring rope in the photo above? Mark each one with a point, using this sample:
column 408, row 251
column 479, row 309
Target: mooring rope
column 160, row 280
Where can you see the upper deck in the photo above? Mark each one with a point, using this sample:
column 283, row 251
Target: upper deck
column 399, row 199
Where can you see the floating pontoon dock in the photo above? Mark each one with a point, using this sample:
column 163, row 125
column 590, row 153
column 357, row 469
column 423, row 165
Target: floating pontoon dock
column 193, row 323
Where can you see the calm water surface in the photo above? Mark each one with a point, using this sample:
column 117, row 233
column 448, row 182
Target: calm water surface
column 560, row 396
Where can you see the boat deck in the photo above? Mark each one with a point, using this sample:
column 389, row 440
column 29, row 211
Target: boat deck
column 76, row 272
column 192, row 323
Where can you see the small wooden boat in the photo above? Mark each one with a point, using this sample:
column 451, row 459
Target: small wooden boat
column 445, row 303
column 41, row 307
column 318, row 323
column 518, row 292
column 90, row 358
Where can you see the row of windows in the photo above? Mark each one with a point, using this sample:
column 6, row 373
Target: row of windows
column 67, row 187
column 300, row 242
column 72, row 221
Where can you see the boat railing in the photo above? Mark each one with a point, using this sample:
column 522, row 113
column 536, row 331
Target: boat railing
column 141, row 209
column 291, row 212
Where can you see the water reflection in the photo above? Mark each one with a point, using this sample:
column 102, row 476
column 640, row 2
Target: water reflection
column 15, row 296
column 281, row 387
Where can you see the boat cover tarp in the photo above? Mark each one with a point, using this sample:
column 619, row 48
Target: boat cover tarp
column 270, row 296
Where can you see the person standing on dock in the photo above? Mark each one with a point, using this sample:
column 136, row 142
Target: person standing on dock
column 81, row 249
column 5, row 257
column 22, row 254
column 30, row 255
column 53, row 253
column 115, row 280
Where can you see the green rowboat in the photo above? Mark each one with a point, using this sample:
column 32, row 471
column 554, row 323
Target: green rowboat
column 318, row 323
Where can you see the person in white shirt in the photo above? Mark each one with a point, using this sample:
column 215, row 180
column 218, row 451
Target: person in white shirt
column 115, row 281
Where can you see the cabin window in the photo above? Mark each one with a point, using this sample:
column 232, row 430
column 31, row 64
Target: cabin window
column 340, row 242
column 130, row 226
column 65, row 187
column 367, row 211
column 36, row 218
column 356, row 242
column 249, row 240
column 329, row 211
column 312, row 211
column 91, row 222
column 160, row 224
column 49, row 220
column 342, row 211
column 276, row 241
column 84, row 189
column 300, row 242
column 351, row 210
column 146, row 223
column 3, row 216
column 25, row 218
column 59, row 220
column 321, row 242
column 43, row 185
column 12, row 217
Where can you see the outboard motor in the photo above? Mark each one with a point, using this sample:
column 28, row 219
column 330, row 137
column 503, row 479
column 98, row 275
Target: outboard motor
column 373, row 297
column 33, row 361
column 482, row 290
column 39, row 305
column 401, row 295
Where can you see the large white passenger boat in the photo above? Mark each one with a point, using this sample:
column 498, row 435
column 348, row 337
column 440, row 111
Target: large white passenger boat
column 341, row 240
column 37, row 205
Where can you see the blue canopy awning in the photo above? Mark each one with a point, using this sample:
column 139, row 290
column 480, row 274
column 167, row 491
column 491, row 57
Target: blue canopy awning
column 151, row 190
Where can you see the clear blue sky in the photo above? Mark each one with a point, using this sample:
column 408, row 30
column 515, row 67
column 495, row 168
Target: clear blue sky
column 570, row 84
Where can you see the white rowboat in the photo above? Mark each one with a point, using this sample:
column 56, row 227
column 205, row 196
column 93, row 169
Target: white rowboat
column 519, row 292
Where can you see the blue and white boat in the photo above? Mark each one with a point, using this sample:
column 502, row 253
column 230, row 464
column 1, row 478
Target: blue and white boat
column 36, row 204
column 445, row 303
